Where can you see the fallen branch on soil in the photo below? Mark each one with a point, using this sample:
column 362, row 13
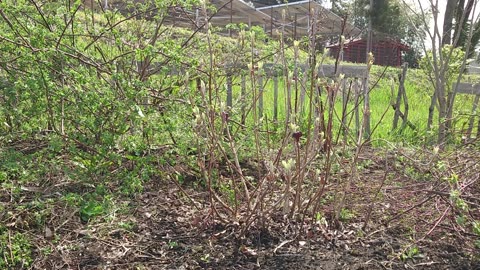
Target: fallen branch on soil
column 369, row 210
column 385, row 223
column 437, row 223
column 448, row 194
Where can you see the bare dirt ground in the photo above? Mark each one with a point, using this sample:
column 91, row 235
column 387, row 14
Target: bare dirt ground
column 412, row 225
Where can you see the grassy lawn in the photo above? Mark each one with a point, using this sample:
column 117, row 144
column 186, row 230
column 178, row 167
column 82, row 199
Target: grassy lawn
column 383, row 92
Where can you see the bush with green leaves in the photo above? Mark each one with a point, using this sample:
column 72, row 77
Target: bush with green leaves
column 15, row 250
column 454, row 56
column 101, row 84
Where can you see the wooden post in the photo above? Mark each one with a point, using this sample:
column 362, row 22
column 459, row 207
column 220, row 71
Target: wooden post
column 470, row 89
column 275, row 97
column 478, row 129
column 271, row 22
column 318, row 127
column 243, row 100
column 405, row 100
column 295, row 77
column 295, row 28
column 470, row 122
column 345, row 96
column 229, row 91
column 400, row 94
column 366, row 109
column 288, row 100
column 260, row 95
column 396, row 107
column 303, row 93
column 358, row 87
column 231, row 18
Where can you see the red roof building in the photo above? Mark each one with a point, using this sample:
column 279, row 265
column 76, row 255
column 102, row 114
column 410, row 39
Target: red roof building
column 387, row 52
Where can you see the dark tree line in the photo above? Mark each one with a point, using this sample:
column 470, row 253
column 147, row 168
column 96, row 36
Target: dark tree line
column 456, row 25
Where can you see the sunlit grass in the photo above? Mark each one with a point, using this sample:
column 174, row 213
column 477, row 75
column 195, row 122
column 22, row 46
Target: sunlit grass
column 383, row 93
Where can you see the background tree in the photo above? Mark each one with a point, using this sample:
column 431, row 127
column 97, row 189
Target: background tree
column 340, row 7
column 391, row 18
column 448, row 21
column 456, row 22
column 440, row 59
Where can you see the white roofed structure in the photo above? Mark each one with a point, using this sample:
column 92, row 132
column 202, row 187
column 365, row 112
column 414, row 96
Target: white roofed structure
column 296, row 19
column 305, row 17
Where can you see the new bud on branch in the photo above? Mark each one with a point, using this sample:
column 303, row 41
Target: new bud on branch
column 297, row 135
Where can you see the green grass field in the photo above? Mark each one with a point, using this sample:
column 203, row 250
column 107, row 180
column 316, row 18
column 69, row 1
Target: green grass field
column 382, row 94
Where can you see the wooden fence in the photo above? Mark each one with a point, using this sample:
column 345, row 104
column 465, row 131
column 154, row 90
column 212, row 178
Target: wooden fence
column 352, row 89
column 470, row 89
column 352, row 86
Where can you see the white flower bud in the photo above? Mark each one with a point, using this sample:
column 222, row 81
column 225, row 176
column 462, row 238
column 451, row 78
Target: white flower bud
column 293, row 127
column 288, row 164
column 260, row 65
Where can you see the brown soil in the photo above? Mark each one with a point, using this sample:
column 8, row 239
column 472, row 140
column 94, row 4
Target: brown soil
column 171, row 232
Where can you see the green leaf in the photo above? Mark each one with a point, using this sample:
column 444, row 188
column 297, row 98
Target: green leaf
column 139, row 111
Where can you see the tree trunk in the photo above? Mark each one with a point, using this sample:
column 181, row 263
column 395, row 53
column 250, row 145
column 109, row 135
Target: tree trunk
column 448, row 21
column 461, row 26
column 449, row 113
column 442, row 114
column 431, row 110
column 462, row 38
column 459, row 9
